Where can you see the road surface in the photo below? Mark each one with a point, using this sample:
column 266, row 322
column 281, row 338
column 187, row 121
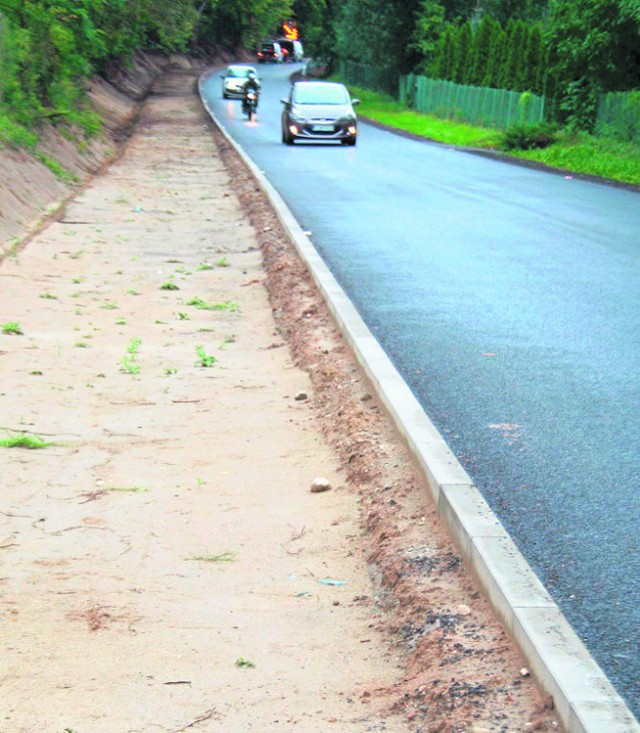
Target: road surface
column 508, row 298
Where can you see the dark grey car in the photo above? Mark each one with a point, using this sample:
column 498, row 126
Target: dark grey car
column 319, row 110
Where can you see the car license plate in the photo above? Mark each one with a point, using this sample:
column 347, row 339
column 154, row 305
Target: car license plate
column 322, row 128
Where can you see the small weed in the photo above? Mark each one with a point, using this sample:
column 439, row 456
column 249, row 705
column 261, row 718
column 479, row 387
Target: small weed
column 132, row 292
column 36, row 372
column 205, row 330
column 48, row 296
column 204, row 266
column 128, row 361
column 222, row 557
column 31, row 442
column 169, row 371
column 228, row 340
column 222, row 262
column 128, row 489
column 204, row 359
column 82, row 345
column 203, row 305
column 121, row 321
column 169, row 285
column 110, row 307
column 242, row 662
column 12, row 328
column 77, row 280
column 77, row 254
column 183, row 316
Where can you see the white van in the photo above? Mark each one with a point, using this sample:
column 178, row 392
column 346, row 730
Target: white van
column 293, row 48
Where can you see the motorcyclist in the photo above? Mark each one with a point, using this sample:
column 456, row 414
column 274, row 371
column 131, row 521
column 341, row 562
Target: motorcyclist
column 251, row 85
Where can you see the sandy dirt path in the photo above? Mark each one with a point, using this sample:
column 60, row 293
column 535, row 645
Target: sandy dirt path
column 164, row 564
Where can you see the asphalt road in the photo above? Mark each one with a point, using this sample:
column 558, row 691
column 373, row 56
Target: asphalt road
column 509, row 299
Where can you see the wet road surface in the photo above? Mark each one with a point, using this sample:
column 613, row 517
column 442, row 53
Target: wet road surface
column 509, row 299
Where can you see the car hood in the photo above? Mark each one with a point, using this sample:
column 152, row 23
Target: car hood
column 323, row 111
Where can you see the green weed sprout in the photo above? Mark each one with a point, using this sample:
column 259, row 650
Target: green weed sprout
column 204, row 359
column 11, row 328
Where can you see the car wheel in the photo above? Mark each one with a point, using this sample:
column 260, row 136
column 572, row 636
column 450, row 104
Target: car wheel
column 350, row 141
column 225, row 95
column 287, row 137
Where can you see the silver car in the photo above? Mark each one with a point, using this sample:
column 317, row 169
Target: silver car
column 319, row 110
column 234, row 79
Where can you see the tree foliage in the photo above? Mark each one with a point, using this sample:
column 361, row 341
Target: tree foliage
column 595, row 47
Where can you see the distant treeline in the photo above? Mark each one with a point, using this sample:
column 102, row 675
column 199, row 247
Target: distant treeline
column 569, row 50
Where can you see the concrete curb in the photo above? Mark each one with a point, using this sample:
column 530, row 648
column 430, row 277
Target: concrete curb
column 585, row 699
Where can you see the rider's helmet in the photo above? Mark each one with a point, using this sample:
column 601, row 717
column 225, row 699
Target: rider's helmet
column 251, row 76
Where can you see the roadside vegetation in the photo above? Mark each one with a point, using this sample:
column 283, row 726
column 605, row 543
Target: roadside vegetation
column 567, row 150
column 572, row 65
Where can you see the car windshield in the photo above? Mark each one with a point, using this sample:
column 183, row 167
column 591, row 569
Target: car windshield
column 238, row 72
column 320, row 94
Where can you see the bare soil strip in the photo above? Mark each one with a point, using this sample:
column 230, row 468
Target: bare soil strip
column 164, row 562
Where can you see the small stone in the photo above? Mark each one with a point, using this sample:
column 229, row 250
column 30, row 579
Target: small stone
column 463, row 610
column 524, row 672
column 319, row 485
column 301, row 396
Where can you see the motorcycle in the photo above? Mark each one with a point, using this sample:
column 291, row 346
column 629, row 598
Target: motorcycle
column 250, row 104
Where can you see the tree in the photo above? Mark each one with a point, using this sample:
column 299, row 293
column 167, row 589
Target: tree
column 496, row 58
column 482, row 41
column 458, row 10
column 427, row 30
column 505, row 10
column 531, row 76
column 442, row 65
column 464, row 40
column 595, row 48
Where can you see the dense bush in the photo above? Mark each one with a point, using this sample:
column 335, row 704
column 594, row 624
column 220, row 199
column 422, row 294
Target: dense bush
column 528, row 137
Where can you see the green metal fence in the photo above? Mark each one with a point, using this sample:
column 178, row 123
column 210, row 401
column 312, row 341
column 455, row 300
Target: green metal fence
column 619, row 116
column 481, row 106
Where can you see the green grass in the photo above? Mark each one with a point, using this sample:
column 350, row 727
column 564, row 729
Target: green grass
column 169, row 285
column 222, row 557
column 128, row 361
column 22, row 440
column 203, row 305
column 242, row 662
column 128, row 489
column 580, row 154
column 592, row 156
column 204, row 359
column 11, row 328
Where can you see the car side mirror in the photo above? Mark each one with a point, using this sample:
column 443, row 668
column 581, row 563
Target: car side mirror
column 355, row 101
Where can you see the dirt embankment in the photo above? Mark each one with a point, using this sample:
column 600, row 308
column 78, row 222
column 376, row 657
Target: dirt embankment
column 169, row 540
column 30, row 192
